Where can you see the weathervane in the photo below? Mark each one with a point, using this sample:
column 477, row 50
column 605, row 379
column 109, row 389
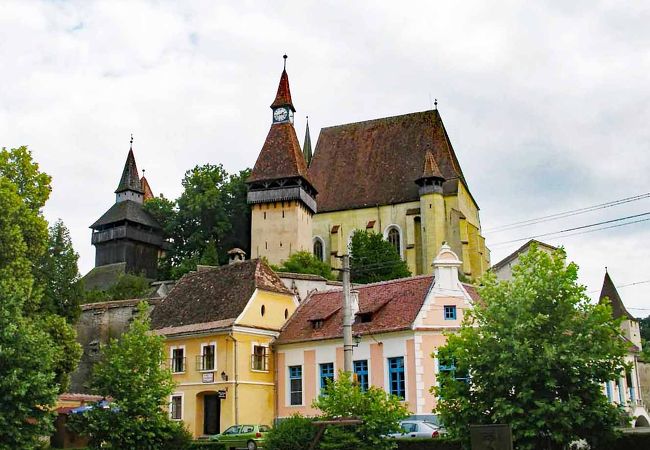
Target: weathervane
column 131, row 141
column 285, row 61
column 435, row 103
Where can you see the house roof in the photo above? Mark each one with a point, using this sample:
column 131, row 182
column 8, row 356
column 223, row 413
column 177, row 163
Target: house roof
column 609, row 290
column 281, row 156
column 377, row 162
column 519, row 251
column 395, row 305
column 126, row 210
column 130, row 180
column 213, row 295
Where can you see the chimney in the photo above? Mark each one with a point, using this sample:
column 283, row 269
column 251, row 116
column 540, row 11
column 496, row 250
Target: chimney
column 236, row 255
column 445, row 268
column 354, row 303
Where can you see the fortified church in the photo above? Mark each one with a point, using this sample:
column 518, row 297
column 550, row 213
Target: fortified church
column 398, row 176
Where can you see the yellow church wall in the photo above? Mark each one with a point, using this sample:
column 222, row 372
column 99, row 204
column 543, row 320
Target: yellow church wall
column 279, row 229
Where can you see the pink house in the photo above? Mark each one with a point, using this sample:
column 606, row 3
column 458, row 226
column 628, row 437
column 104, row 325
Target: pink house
column 398, row 325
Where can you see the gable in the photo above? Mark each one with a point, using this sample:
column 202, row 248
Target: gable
column 267, row 310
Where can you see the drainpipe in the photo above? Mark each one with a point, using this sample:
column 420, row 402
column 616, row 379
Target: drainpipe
column 236, row 378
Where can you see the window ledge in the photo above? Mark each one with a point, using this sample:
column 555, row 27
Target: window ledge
column 260, row 371
column 207, row 370
column 178, row 373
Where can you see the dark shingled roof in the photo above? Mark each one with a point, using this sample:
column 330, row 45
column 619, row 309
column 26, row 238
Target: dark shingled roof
column 283, row 97
column 306, row 146
column 214, row 295
column 130, row 180
column 609, row 291
column 103, row 277
column 377, row 162
column 126, row 210
column 281, row 156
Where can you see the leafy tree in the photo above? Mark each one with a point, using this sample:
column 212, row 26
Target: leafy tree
column 379, row 411
column 132, row 373
column 127, row 286
column 537, row 352
column 58, row 273
column 373, row 259
column 305, row 262
column 644, row 325
column 293, row 433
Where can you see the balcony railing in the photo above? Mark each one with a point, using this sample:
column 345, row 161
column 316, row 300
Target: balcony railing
column 205, row 363
column 177, row 365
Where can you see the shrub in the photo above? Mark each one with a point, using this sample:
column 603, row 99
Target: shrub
column 293, row 433
column 206, row 445
column 428, row 444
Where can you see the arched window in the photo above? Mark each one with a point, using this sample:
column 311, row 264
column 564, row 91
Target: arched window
column 394, row 239
column 318, row 249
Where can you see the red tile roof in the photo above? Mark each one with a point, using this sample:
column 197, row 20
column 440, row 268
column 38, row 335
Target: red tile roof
column 148, row 193
column 283, row 97
column 431, row 169
column 377, row 162
column 281, row 156
column 394, row 304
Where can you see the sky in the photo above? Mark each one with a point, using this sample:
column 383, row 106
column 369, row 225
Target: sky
column 547, row 104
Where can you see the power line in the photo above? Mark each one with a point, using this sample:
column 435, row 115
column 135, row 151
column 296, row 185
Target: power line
column 569, row 213
column 582, row 227
column 624, row 285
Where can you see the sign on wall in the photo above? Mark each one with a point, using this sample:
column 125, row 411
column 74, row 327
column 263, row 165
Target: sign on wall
column 208, row 377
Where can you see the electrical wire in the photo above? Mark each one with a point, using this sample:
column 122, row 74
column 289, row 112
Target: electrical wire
column 574, row 212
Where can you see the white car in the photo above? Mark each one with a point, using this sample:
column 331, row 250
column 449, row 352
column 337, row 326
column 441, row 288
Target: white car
column 418, row 429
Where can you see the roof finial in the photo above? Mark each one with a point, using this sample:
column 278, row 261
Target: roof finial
column 143, row 170
column 285, row 61
column 435, row 103
column 605, row 269
column 131, row 141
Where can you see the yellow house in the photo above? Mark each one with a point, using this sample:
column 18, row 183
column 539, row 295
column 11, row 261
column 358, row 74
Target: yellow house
column 398, row 176
column 218, row 323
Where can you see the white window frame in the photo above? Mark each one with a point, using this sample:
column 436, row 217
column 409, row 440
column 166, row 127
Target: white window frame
column 171, row 358
column 268, row 355
column 171, row 400
column 401, row 237
column 214, row 363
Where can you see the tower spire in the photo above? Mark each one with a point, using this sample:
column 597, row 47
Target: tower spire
column 130, row 186
column 306, row 146
column 283, row 97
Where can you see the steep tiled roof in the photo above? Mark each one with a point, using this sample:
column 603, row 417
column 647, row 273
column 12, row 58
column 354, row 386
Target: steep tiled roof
column 431, row 169
column 130, row 180
column 215, row 295
column 306, row 146
column 394, row 304
column 281, row 156
column 283, row 97
column 378, row 161
column 609, row 291
column 148, row 193
column 126, row 210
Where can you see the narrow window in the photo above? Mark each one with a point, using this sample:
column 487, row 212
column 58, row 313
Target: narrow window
column 393, row 238
column 318, row 249
column 450, row 312
column 361, row 372
column 326, row 374
column 264, row 215
column 178, row 360
column 263, row 310
column 286, row 313
column 396, row 376
column 283, row 214
column 260, row 358
column 176, row 407
column 207, row 358
column 295, row 385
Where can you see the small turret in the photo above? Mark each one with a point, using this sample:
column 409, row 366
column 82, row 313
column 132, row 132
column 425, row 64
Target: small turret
column 431, row 179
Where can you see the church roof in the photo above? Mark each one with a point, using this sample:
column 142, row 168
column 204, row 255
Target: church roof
column 283, row 97
column 281, row 156
column 306, row 146
column 377, row 162
column 431, row 169
column 216, row 295
column 609, row 291
column 126, row 210
column 130, row 180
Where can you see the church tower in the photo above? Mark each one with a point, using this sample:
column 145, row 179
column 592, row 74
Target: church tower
column 127, row 234
column 281, row 195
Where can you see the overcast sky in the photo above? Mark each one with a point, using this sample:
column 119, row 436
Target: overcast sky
column 547, row 104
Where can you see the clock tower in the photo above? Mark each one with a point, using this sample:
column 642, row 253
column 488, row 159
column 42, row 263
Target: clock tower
column 281, row 195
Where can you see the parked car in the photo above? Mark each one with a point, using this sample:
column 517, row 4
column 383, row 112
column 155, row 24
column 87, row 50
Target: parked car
column 418, row 429
column 250, row 437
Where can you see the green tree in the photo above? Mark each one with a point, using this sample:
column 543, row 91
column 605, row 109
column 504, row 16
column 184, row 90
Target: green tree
column 373, row 259
column 537, row 352
column 293, row 433
column 58, row 274
column 644, row 325
column 379, row 411
column 305, row 262
column 132, row 373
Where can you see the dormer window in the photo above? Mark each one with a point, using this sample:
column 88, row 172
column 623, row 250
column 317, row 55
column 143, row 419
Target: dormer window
column 317, row 324
column 364, row 317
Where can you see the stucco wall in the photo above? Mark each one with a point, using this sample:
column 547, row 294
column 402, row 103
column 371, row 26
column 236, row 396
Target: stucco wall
column 644, row 380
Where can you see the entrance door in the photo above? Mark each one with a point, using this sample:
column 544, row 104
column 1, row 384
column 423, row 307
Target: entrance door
column 211, row 414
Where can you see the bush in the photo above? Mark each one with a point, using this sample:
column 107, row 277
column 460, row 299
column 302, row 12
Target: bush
column 628, row 441
column 428, row 444
column 206, row 445
column 293, row 433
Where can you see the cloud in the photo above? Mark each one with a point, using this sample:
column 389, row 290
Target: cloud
column 546, row 103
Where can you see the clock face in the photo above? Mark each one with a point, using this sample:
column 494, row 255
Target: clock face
column 280, row 114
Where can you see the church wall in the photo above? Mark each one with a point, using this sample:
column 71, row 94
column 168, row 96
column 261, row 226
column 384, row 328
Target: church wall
column 279, row 229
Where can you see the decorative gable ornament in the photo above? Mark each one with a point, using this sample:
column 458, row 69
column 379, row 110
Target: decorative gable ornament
column 445, row 268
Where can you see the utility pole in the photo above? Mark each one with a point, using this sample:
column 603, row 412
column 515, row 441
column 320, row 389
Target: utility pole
column 347, row 317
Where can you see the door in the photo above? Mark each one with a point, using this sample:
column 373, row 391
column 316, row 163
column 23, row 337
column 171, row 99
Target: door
column 211, row 414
